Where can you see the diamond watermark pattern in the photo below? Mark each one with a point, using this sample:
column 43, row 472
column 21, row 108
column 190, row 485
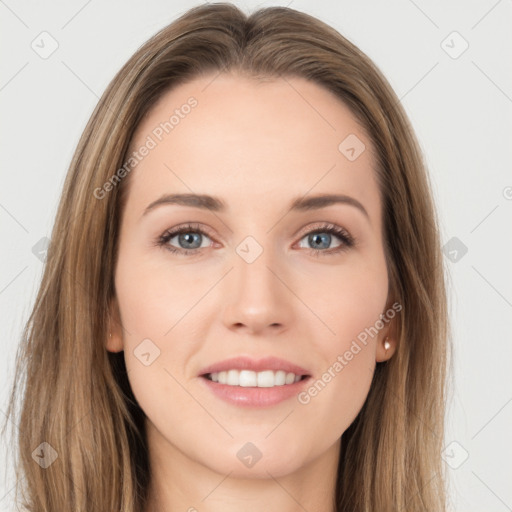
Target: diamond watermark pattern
column 454, row 45
column 45, row 455
column 249, row 249
column 351, row 147
column 249, row 454
column 40, row 249
column 455, row 455
column 146, row 352
column 44, row 45
column 454, row 249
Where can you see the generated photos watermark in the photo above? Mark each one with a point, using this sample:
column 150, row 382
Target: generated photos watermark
column 151, row 142
column 343, row 360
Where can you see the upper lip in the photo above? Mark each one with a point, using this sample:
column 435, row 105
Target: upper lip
column 256, row 365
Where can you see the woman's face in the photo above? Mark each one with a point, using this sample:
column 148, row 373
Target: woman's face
column 256, row 274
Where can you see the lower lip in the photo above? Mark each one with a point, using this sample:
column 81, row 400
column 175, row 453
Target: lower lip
column 253, row 396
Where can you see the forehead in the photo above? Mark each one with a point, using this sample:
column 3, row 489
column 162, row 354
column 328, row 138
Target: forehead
column 251, row 141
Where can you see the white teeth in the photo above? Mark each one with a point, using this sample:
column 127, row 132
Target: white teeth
column 280, row 378
column 266, row 379
column 248, row 378
column 232, row 378
column 245, row 379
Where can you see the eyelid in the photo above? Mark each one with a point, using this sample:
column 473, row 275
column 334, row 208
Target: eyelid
column 319, row 226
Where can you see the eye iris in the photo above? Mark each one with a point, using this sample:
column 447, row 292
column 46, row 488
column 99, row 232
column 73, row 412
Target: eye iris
column 316, row 236
column 187, row 238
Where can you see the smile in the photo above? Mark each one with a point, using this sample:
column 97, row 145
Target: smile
column 248, row 378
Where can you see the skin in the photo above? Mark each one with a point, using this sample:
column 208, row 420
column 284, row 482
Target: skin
column 256, row 156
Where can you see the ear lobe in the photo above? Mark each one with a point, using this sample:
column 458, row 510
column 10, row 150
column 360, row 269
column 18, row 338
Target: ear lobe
column 114, row 344
column 386, row 347
column 114, row 341
column 387, row 342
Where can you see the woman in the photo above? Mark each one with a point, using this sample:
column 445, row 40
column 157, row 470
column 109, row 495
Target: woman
column 243, row 301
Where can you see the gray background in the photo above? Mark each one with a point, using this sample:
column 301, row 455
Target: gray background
column 460, row 105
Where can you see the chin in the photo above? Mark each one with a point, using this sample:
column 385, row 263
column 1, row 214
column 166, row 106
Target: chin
column 258, row 459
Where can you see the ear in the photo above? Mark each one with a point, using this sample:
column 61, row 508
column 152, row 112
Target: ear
column 114, row 336
column 387, row 341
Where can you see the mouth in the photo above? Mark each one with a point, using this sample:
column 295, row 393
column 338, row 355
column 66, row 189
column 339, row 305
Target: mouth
column 248, row 382
column 253, row 379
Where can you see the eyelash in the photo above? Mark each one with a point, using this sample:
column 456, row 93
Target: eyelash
column 347, row 240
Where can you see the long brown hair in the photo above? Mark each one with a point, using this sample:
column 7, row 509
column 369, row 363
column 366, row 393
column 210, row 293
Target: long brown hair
column 75, row 395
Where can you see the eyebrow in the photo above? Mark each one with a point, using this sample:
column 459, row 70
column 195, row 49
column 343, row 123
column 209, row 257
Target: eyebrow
column 215, row 204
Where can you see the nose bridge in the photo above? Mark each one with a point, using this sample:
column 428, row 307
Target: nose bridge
column 252, row 269
column 258, row 298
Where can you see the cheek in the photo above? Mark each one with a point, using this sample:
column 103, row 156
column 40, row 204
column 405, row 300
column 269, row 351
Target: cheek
column 153, row 297
column 351, row 304
column 335, row 396
column 154, row 309
column 348, row 299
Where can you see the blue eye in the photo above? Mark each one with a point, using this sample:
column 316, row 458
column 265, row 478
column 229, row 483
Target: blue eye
column 320, row 239
column 190, row 237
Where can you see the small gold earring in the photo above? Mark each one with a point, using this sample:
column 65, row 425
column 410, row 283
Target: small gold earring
column 387, row 345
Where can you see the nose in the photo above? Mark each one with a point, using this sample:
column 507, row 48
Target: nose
column 258, row 298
